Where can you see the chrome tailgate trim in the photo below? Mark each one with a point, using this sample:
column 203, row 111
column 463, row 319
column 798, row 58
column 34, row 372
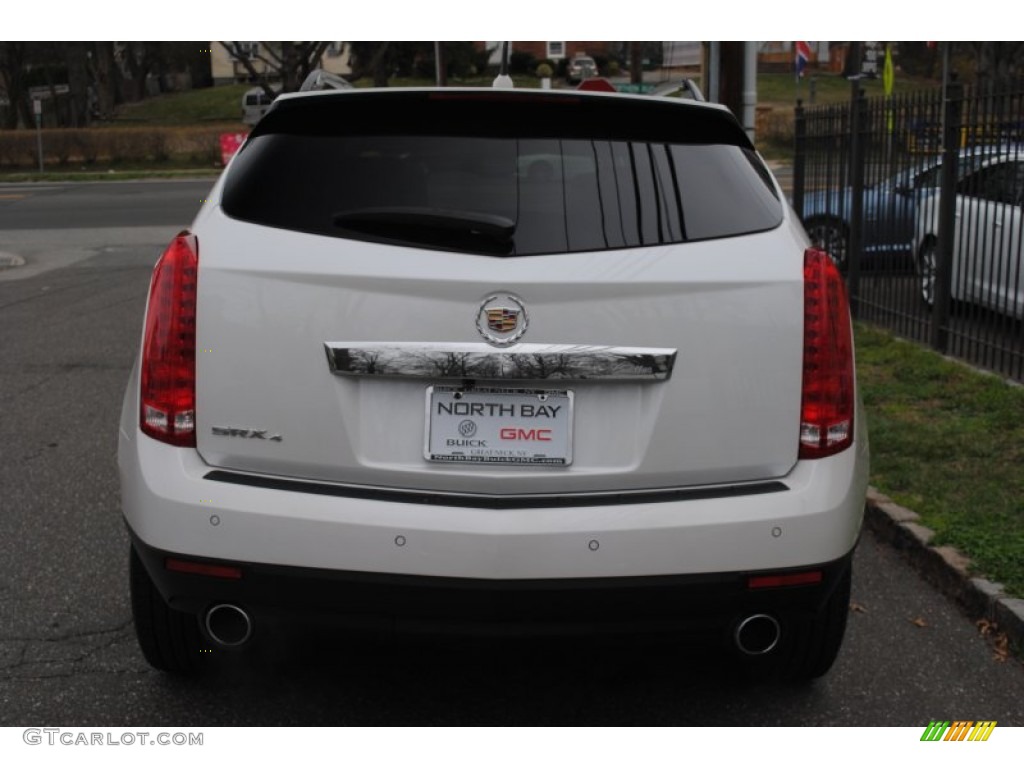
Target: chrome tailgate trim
column 523, row 362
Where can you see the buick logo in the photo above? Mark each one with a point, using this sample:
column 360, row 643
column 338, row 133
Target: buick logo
column 502, row 319
column 467, row 427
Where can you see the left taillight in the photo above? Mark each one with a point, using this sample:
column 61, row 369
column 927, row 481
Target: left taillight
column 167, row 402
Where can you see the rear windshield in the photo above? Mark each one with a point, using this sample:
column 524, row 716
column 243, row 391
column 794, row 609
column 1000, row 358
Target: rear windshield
column 505, row 178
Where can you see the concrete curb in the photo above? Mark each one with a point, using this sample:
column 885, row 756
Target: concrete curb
column 944, row 567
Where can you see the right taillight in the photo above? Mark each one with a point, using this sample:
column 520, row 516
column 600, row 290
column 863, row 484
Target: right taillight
column 827, row 401
column 167, row 393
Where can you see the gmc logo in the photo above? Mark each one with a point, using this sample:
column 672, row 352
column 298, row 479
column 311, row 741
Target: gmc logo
column 518, row 433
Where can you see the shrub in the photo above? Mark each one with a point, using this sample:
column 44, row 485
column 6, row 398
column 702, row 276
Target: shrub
column 66, row 146
column 86, row 146
column 774, row 126
column 521, row 62
column 61, row 146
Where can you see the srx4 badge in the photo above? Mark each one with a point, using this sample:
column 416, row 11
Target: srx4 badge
column 254, row 434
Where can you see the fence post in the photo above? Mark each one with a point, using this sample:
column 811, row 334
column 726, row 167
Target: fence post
column 799, row 157
column 858, row 109
column 947, row 214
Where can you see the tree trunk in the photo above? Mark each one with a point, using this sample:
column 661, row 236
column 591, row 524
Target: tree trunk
column 289, row 67
column 78, row 83
column 104, row 75
column 381, row 66
column 12, row 69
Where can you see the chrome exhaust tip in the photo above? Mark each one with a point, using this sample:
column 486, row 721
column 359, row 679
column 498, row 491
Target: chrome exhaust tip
column 228, row 625
column 757, row 634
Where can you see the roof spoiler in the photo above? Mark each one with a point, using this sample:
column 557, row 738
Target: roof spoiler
column 687, row 89
column 322, row 80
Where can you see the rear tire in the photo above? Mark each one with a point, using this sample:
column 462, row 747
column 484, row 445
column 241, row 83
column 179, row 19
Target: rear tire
column 170, row 640
column 820, row 636
column 927, row 268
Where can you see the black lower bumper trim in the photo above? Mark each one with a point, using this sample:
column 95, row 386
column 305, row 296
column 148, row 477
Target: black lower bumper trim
column 460, row 605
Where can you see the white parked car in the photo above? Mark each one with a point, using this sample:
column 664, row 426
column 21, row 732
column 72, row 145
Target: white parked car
column 255, row 104
column 988, row 265
column 516, row 360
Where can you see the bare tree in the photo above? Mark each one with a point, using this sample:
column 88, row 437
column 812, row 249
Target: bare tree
column 13, row 61
column 106, row 78
column 286, row 62
column 996, row 63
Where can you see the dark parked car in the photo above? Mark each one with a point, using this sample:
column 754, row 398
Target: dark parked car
column 890, row 207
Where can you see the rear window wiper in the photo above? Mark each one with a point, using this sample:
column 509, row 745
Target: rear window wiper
column 434, row 227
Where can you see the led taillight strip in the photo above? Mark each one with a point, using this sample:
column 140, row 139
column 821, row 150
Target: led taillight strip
column 167, row 393
column 828, row 394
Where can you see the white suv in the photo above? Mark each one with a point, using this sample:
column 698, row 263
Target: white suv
column 479, row 360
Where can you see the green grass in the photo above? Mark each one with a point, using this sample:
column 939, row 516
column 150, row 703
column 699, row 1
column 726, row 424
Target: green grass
column 948, row 442
column 780, row 89
column 521, row 81
column 202, row 105
column 223, row 103
column 174, row 167
column 120, row 174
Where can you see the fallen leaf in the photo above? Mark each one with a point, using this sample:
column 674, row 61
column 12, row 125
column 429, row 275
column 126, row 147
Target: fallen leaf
column 919, row 622
column 1001, row 651
column 858, row 608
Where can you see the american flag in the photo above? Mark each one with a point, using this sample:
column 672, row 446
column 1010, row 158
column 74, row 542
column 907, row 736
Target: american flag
column 803, row 55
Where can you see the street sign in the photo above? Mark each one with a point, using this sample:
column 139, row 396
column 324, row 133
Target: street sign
column 229, row 144
column 869, row 64
column 634, row 87
column 37, row 107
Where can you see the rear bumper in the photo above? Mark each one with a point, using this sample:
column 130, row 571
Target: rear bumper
column 171, row 504
column 705, row 606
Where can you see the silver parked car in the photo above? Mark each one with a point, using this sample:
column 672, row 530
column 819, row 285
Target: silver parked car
column 988, row 267
column 580, row 68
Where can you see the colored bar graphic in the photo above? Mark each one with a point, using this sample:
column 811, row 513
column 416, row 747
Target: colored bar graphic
column 935, row 730
column 982, row 730
column 959, row 730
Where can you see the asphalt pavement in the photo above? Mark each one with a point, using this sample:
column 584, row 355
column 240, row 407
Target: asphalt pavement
column 70, row 320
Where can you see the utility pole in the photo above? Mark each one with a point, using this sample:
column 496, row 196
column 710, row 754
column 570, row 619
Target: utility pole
column 731, row 79
column 439, row 70
column 730, row 70
column 636, row 62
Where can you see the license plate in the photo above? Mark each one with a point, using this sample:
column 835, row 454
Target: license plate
column 499, row 426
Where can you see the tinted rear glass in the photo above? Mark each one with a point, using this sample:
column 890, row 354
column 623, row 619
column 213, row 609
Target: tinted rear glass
column 502, row 177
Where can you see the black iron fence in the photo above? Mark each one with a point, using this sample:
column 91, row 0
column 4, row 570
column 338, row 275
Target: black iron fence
column 920, row 198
